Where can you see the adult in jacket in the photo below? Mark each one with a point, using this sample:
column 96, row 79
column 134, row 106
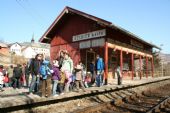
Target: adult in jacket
column 17, row 75
column 99, row 70
column 34, row 70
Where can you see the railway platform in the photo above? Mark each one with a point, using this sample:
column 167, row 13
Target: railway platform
column 11, row 98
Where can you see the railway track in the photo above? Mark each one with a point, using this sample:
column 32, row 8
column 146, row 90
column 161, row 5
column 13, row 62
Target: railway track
column 132, row 102
column 126, row 99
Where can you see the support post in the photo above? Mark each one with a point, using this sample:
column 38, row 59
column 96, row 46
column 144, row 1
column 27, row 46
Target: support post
column 140, row 63
column 152, row 65
column 146, row 67
column 121, row 62
column 106, row 63
column 132, row 61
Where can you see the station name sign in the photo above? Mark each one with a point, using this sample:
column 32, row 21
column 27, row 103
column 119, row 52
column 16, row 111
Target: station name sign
column 89, row 35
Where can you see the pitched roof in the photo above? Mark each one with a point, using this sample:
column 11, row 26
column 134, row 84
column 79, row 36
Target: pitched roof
column 37, row 45
column 4, row 45
column 14, row 43
column 98, row 20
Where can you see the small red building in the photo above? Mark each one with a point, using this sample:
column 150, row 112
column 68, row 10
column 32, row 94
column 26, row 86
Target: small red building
column 84, row 36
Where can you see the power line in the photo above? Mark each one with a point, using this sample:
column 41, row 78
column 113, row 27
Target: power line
column 29, row 13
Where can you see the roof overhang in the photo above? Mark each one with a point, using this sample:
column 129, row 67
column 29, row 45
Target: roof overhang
column 46, row 38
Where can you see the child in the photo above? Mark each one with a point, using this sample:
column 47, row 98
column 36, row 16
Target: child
column 87, row 80
column 1, row 81
column 46, row 80
column 55, row 76
column 61, row 83
column 79, row 78
column 6, row 80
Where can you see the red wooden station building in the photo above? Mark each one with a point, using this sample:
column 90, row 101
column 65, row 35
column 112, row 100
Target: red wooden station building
column 84, row 36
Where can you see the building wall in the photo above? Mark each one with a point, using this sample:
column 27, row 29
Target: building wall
column 74, row 25
column 4, row 56
column 41, row 50
column 16, row 48
column 29, row 53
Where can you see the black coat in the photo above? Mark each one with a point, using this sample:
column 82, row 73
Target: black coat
column 35, row 66
column 17, row 72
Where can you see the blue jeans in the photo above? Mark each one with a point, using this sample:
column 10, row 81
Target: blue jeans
column 34, row 86
column 99, row 78
column 6, row 84
column 55, row 83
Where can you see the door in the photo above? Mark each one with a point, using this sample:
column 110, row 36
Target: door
column 90, row 56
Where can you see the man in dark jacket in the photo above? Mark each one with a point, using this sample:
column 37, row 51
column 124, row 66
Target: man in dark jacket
column 34, row 70
column 17, row 75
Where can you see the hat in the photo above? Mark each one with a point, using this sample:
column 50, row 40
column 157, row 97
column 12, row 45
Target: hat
column 78, row 67
column 56, row 63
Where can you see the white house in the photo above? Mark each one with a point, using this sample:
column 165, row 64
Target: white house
column 30, row 49
column 39, row 48
column 16, row 48
column 28, row 52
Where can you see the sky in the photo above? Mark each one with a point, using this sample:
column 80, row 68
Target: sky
column 20, row 20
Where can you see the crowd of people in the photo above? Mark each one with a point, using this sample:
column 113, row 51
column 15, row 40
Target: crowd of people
column 55, row 78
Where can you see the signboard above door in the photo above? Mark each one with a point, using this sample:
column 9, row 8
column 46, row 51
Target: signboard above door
column 89, row 35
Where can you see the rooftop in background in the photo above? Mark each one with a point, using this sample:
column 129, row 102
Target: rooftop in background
column 4, row 45
column 100, row 21
column 37, row 45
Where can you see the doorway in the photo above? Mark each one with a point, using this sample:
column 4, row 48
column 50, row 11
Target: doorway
column 90, row 56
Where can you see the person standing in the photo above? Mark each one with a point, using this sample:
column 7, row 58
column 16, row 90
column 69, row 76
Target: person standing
column 34, row 70
column 83, row 69
column 93, row 72
column 55, row 77
column 99, row 70
column 10, row 75
column 61, row 58
column 27, row 75
column 23, row 80
column 46, row 78
column 79, row 77
column 67, row 68
column 1, row 81
column 17, row 76
column 119, row 75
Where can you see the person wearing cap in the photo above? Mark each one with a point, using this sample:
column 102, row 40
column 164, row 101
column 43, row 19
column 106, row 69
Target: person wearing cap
column 79, row 78
column 55, row 77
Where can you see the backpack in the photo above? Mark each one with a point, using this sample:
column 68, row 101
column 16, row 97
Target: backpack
column 44, row 70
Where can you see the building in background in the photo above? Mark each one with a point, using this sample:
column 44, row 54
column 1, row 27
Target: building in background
column 15, row 48
column 4, row 54
column 30, row 49
column 28, row 52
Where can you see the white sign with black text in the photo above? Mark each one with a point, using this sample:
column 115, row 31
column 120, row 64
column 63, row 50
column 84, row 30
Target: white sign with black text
column 89, row 35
